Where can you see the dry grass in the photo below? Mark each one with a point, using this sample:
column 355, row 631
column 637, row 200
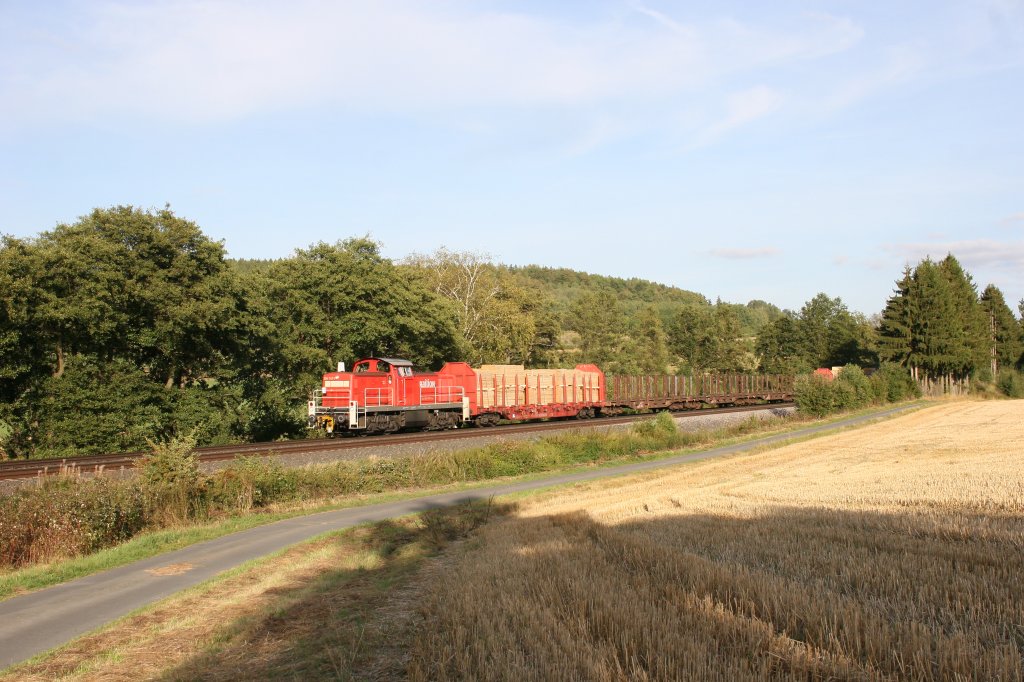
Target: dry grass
column 322, row 610
column 890, row 552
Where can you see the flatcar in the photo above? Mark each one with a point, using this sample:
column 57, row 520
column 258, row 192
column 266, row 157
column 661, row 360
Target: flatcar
column 384, row 395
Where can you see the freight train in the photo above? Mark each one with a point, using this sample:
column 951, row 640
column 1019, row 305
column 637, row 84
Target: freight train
column 385, row 395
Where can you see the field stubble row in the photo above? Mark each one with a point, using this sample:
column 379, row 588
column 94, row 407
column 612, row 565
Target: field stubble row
column 894, row 551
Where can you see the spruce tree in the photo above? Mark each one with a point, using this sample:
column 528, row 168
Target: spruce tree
column 896, row 340
column 933, row 327
column 1004, row 333
column 967, row 327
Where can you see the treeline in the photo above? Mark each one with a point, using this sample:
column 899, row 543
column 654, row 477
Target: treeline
column 131, row 325
column 938, row 326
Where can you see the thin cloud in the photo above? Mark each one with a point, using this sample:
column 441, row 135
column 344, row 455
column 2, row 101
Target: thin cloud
column 900, row 65
column 215, row 61
column 743, row 108
column 1013, row 220
column 745, row 254
column 973, row 253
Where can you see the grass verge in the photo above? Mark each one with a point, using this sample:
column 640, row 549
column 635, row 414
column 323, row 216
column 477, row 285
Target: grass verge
column 325, row 608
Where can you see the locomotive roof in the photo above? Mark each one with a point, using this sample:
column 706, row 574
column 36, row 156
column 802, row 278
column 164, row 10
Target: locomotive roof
column 395, row 362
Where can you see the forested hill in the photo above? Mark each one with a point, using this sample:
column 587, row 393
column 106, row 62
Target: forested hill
column 132, row 325
column 565, row 287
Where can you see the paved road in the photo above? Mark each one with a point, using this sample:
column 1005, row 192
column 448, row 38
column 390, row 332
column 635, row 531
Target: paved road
column 36, row 622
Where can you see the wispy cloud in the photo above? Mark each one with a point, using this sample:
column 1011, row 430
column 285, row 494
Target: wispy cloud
column 899, row 65
column 219, row 60
column 744, row 254
column 742, row 108
column 1013, row 220
column 976, row 253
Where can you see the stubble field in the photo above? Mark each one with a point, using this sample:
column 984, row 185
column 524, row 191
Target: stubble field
column 889, row 552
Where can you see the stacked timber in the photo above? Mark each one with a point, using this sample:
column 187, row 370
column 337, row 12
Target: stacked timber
column 513, row 385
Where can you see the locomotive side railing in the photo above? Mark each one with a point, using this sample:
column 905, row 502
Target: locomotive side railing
column 434, row 395
column 314, row 404
column 376, row 397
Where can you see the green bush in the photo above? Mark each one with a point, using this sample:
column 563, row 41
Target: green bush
column 1010, row 383
column 894, row 383
column 853, row 388
column 251, row 482
column 662, row 426
column 814, row 395
column 171, row 463
column 172, row 482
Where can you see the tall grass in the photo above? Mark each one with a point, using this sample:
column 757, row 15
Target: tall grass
column 70, row 516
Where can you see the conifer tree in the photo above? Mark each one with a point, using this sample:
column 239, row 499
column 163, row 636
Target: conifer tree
column 967, row 328
column 1004, row 333
column 896, row 339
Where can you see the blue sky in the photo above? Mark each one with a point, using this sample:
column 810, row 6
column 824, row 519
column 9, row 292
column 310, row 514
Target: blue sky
column 742, row 150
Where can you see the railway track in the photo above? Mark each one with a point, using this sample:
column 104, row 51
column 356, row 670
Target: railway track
column 91, row 464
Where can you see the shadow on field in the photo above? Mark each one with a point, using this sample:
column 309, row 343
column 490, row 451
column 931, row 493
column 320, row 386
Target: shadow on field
column 791, row 593
column 331, row 626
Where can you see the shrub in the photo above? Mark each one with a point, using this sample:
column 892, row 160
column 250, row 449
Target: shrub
column 66, row 516
column 171, row 463
column 1010, row 383
column 813, row 394
column 853, row 388
column 172, row 481
column 251, row 482
column 662, row 426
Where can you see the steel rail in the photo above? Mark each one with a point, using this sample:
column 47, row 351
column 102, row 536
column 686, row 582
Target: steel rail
column 90, row 464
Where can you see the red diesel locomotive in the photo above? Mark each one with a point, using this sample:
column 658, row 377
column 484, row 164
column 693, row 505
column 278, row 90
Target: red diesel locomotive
column 383, row 395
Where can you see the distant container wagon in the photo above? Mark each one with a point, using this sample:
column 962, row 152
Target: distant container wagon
column 382, row 395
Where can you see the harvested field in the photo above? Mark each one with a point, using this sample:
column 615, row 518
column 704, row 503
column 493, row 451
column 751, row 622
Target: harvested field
column 890, row 552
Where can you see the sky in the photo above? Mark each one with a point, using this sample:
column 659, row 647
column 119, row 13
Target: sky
column 743, row 150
